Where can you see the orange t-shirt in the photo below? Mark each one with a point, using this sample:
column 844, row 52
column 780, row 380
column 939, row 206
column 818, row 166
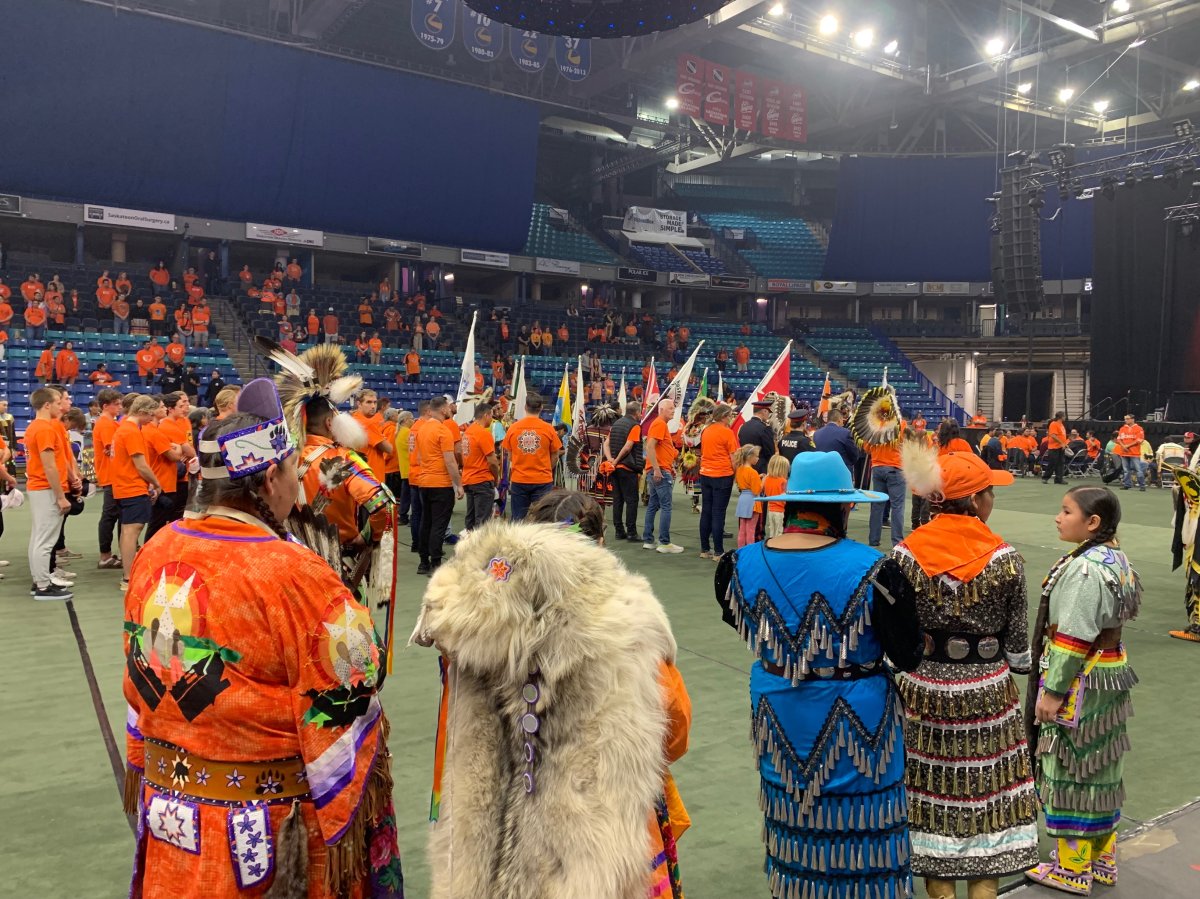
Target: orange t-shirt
column 774, row 487
column 331, row 324
column 6, row 312
column 412, row 364
column 145, row 362
column 748, row 479
column 245, row 276
column 665, row 450
column 200, row 318
column 314, row 325
column 374, row 437
column 127, row 443
column 5, row 292
column 35, row 316
column 432, row 443
column 530, row 443
column 366, row 315
column 294, row 271
column 885, row 455
column 433, row 329
column 414, row 460
column 1129, row 439
column 391, row 463
column 718, row 443
column 105, row 297
column 179, row 430
column 477, row 444
column 158, row 312
column 29, row 289
column 102, row 438
column 160, row 276
column 741, row 355
column 158, row 444
column 159, row 352
column 956, row 445
column 123, row 285
column 375, row 344
column 175, row 352
column 44, row 434
column 121, row 308
column 45, row 365
column 66, row 364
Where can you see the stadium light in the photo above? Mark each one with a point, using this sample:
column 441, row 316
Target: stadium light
column 583, row 288
column 1101, row 106
column 449, row 276
column 828, row 25
column 672, row 103
column 863, row 38
column 892, row 47
column 1065, row 94
column 1192, row 84
column 776, row 10
column 994, row 46
column 1120, row 6
column 762, row 301
column 1024, row 87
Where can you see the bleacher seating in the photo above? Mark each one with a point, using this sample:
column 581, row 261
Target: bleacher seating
column 787, row 247
column 553, row 242
column 667, row 258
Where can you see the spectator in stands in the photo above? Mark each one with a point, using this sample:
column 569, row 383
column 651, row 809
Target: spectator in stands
column 523, row 340
column 120, row 316
column 32, row 286
column 3, row 340
column 366, row 312
column 176, row 350
column 722, row 358
column 385, row 290
column 741, row 356
column 6, row 313
column 292, row 304
column 212, row 272
column 171, row 378
column 191, row 382
column 300, row 335
column 35, row 320
column 331, row 327
column 56, row 309
column 44, row 370
column 200, row 319
column 284, row 330
column 314, row 325
column 564, row 336
column 361, row 347
column 391, row 320
column 375, row 345
column 123, row 285
column 547, row 341
column 433, row 331
column 535, row 339
column 135, row 485
column 66, row 365
column 139, row 318
column 48, row 478
column 293, row 273
column 160, row 279
column 215, row 385
column 532, row 447
column 105, row 297
column 100, row 377
column 146, row 363
column 745, row 329
column 245, row 277
column 5, row 290
column 158, row 317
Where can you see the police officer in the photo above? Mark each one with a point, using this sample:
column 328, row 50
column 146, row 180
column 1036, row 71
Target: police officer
column 796, row 440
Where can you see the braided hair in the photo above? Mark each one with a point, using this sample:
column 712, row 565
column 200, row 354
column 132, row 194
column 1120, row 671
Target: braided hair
column 569, row 507
column 1103, row 503
column 244, row 493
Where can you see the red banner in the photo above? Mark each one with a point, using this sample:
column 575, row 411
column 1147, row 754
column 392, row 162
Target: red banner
column 689, row 85
column 797, row 115
column 772, row 108
column 745, row 113
column 717, row 85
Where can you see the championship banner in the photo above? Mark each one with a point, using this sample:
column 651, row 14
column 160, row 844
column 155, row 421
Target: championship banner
column 716, row 93
column 556, row 266
column 772, row 108
column 689, row 85
column 274, row 233
column 433, row 22
column 127, row 218
column 745, row 110
column 797, row 115
column 661, row 221
column 483, row 37
column 574, row 57
column 530, row 50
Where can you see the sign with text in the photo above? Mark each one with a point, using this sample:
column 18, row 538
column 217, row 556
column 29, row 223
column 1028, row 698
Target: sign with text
column 788, row 285
column 557, row 266
column 483, row 257
column 385, row 247
column 745, row 103
column 717, row 84
column 574, row 57
column 433, row 22
column 10, row 204
column 642, row 275
column 689, row 85
column 903, row 288
column 299, row 236
column 530, row 50
column 483, row 37
column 946, row 288
column 688, row 279
column 729, row 282
column 796, row 122
column 835, row 286
column 128, row 218
column 663, row 221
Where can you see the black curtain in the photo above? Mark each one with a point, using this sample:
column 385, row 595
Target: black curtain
column 1134, row 325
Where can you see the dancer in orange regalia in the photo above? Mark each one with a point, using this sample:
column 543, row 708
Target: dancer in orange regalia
column 255, row 739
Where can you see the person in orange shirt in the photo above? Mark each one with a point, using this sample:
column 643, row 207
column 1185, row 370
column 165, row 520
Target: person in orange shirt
column 330, row 323
column 1129, row 452
column 741, row 355
column 31, row 287
column 158, row 318
column 146, row 363
column 294, row 272
column 123, row 285
column 135, row 485
column 47, row 481
column 166, row 446
column 887, row 477
column 176, row 351
column 361, row 347
column 45, row 365
column 481, row 468
column 718, row 443
column 441, row 483
column 391, row 318
column 432, row 332
column 375, row 345
column 314, row 325
column 1055, row 459
column 412, row 366
column 377, row 448
column 366, row 315
column 103, row 430
column 661, row 452
column 684, row 334
column 201, row 316
column 5, row 292
column 532, row 447
column 35, row 321
column 748, row 482
column 385, row 290
column 6, row 313
column 105, row 297
column 160, row 278
column 66, row 364
column 245, row 277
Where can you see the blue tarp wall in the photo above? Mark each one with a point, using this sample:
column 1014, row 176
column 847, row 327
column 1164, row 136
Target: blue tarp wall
column 926, row 218
column 129, row 110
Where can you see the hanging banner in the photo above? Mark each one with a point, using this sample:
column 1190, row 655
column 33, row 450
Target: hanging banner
column 946, row 288
column 483, row 257
column 641, row 275
column 689, row 85
column 716, row 93
column 772, row 108
column 835, row 286
column 483, row 37
column 897, row 288
column 729, row 282
column 662, row 221
column 557, row 266
column 689, row 279
column 433, row 22
column 133, row 218
column 386, row 247
column 574, row 57
column 529, row 50
column 788, row 285
column 301, row 237
column 745, row 109
column 797, row 115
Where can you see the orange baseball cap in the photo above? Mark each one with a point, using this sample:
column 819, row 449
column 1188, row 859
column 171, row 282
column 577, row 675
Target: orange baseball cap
column 965, row 474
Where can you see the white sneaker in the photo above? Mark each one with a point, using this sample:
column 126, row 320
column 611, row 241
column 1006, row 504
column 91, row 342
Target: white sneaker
column 60, row 581
column 648, row 545
column 62, row 572
column 4, row 563
column 670, row 548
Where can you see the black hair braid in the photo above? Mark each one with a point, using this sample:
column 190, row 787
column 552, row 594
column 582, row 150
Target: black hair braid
column 265, row 513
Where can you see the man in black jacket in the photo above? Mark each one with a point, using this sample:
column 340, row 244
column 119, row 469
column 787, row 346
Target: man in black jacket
column 758, row 433
column 623, row 448
column 835, row 438
column 797, row 441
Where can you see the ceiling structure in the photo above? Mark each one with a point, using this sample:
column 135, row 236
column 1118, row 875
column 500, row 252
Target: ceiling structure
column 937, row 76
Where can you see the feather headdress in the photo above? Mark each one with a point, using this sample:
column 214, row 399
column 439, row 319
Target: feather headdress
column 922, row 472
column 781, row 405
column 701, row 405
column 876, row 421
column 319, row 372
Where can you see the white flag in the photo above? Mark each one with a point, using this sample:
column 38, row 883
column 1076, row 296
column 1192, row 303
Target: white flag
column 580, row 410
column 466, row 380
column 622, row 398
column 518, row 404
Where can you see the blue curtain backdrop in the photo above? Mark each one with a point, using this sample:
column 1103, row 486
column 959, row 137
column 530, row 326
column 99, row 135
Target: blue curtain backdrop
column 925, row 218
column 127, row 110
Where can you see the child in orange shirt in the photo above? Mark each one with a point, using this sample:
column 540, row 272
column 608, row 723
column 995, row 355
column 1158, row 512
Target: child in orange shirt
column 775, row 484
column 749, row 485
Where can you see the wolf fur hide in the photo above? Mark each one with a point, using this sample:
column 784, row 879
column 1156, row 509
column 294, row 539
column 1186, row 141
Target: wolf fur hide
column 569, row 610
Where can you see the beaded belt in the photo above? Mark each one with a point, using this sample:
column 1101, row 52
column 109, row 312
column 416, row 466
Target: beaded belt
column 171, row 768
column 955, row 648
column 850, row 672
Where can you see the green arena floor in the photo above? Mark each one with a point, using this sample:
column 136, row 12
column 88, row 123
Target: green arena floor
column 63, row 834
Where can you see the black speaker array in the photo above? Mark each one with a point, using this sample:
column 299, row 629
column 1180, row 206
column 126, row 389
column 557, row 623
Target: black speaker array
column 1017, row 259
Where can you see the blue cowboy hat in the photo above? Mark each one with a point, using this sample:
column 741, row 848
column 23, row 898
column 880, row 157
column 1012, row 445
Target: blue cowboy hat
column 822, row 478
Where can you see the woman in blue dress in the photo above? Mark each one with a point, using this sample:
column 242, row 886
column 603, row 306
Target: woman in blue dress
column 820, row 612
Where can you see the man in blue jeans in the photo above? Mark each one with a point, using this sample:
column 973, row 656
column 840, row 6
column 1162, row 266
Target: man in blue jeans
column 660, row 467
column 532, row 447
column 886, row 477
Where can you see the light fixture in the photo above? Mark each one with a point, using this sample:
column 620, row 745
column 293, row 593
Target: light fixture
column 892, row 47
column 762, row 301
column 1024, row 87
column 828, row 25
column 449, row 276
column 1101, row 106
column 864, row 38
column 1192, row 84
column 994, row 46
column 1183, row 128
column 1065, row 94
column 672, row 103
column 1120, row 6
column 583, row 288
column 776, row 10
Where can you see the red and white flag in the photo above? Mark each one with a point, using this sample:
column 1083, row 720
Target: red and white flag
column 778, row 379
column 650, row 395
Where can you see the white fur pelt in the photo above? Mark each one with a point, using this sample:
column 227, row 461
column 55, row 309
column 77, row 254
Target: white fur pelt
column 597, row 635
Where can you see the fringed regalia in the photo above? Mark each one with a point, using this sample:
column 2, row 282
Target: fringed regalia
column 827, row 724
column 1079, row 776
column 972, row 805
column 1183, row 544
